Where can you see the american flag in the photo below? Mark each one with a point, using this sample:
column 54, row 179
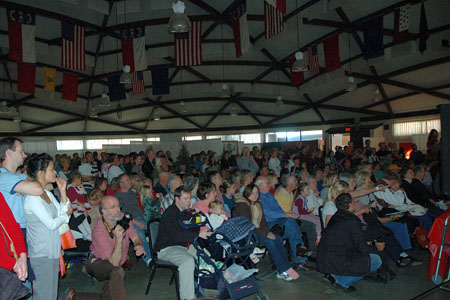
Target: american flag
column 72, row 46
column 273, row 17
column 138, row 83
column 313, row 60
column 188, row 46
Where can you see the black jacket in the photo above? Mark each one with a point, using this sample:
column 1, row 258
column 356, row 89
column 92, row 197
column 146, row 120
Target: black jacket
column 417, row 192
column 147, row 168
column 170, row 232
column 160, row 189
column 343, row 249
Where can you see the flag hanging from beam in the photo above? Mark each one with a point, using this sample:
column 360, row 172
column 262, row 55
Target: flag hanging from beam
column 138, row 83
column 26, row 78
column 72, row 46
column 313, row 59
column 49, row 79
column 238, row 17
column 297, row 78
column 133, row 48
column 401, row 24
column 373, row 38
column 160, row 81
column 21, row 33
column 70, row 87
column 116, row 89
column 188, row 46
column 424, row 34
column 331, row 52
column 273, row 17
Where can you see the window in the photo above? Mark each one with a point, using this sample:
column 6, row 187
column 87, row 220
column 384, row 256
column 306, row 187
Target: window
column 153, row 139
column 251, row 138
column 193, row 138
column 292, row 136
column 97, row 144
column 310, row 135
column 416, row 127
column 69, row 145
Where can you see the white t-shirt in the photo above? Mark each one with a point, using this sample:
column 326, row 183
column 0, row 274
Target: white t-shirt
column 113, row 172
column 328, row 209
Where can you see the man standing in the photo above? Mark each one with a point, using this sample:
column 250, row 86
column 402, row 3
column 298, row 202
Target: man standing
column 173, row 242
column 148, row 165
column 14, row 186
column 247, row 162
column 109, row 248
column 274, row 162
column 129, row 203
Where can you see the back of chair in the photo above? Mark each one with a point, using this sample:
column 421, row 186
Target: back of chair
column 321, row 218
column 152, row 232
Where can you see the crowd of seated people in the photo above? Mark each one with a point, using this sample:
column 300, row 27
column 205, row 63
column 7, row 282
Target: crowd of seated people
column 291, row 195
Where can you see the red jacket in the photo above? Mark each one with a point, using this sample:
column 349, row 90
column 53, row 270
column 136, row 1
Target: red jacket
column 7, row 259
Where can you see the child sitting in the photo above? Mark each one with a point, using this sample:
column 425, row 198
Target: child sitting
column 151, row 203
column 217, row 215
column 301, row 207
column 77, row 194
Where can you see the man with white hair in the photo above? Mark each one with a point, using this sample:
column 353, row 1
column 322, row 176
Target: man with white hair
column 173, row 183
column 274, row 162
column 275, row 215
column 247, row 162
column 285, row 194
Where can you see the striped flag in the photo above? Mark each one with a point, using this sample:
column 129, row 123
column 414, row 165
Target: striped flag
column 138, row 83
column 21, row 33
column 133, row 48
column 313, row 58
column 273, row 17
column 188, row 46
column 238, row 16
column 72, row 46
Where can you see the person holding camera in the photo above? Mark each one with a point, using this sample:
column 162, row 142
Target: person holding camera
column 110, row 241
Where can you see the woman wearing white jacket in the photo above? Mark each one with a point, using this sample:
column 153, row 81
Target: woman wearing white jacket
column 44, row 215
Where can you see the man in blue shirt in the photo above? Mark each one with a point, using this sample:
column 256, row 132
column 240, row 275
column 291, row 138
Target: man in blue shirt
column 275, row 215
column 14, row 185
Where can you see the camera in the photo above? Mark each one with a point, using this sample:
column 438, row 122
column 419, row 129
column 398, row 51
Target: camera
column 124, row 222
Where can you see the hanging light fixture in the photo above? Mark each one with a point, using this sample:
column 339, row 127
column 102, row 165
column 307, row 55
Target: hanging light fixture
column 182, row 107
column 300, row 64
column 377, row 95
column 156, row 116
column 225, row 91
column 233, row 111
column 93, row 113
column 280, row 102
column 17, row 118
column 351, row 84
column 179, row 22
column 4, row 109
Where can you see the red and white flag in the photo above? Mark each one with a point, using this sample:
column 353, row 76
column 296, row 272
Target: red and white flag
column 273, row 17
column 133, row 48
column 401, row 24
column 238, row 16
column 138, row 83
column 331, row 53
column 188, row 46
column 313, row 58
column 72, row 46
column 21, row 32
column 297, row 78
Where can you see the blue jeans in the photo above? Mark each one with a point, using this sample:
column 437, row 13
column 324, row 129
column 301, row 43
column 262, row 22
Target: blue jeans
column 347, row 281
column 276, row 251
column 141, row 233
column 292, row 233
column 400, row 231
column 426, row 220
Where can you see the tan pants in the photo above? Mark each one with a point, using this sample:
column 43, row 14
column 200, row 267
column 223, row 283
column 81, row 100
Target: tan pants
column 184, row 258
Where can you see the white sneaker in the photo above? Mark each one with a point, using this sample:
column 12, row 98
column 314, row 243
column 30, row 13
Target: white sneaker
column 285, row 276
column 259, row 251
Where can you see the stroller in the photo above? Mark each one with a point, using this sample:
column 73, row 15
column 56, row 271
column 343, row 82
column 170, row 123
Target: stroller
column 227, row 249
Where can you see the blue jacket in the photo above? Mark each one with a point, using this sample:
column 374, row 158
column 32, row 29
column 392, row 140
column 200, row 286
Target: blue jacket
column 271, row 208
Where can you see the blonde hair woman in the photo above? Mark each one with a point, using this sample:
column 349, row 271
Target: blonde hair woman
column 329, row 180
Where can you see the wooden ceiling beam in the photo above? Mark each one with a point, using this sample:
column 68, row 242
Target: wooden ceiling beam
column 252, row 115
column 314, row 107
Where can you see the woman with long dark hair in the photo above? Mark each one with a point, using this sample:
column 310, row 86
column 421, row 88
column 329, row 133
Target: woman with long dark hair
column 250, row 207
column 44, row 215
